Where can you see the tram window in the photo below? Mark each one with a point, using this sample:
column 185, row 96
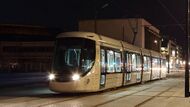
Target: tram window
column 72, row 57
column 128, row 62
column 102, row 79
column 163, row 64
column 110, row 61
column 138, row 65
column 149, row 64
column 158, row 63
column 134, row 62
column 154, row 63
column 118, row 62
column 87, row 60
column 102, row 62
column 145, row 64
column 128, row 76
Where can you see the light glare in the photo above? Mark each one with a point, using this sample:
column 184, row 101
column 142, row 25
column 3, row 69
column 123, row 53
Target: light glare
column 75, row 77
column 51, row 76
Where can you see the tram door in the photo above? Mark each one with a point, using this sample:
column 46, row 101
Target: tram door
column 102, row 68
column 128, row 65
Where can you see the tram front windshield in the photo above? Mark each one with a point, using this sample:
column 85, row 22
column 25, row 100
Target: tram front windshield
column 74, row 55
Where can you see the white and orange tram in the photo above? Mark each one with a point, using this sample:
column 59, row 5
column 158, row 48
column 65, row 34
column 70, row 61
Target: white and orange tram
column 88, row 62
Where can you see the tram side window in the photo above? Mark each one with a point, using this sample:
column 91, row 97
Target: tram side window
column 102, row 62
column 134, row 62
column 145, row 64
column 163, row 64
column 110, row 61
column 128, row 62
column 118, row 61
column 138, row 65
column 149, row 63
column 154, row 63
column 158, row 63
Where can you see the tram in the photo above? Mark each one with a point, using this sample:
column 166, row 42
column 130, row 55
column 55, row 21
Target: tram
column 88, row 62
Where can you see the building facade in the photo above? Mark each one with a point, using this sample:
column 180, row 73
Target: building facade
column 173, row 53
column 135, row 31
column 25, row 49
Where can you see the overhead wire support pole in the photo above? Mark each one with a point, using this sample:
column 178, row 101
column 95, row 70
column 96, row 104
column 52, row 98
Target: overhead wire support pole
column 187, row 51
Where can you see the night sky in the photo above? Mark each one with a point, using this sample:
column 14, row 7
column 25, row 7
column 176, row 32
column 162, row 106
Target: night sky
column 167, row 15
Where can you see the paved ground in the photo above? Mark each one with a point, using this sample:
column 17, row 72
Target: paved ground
column 162, row 93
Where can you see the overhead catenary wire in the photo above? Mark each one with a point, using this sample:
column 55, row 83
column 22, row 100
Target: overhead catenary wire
column 171, row 15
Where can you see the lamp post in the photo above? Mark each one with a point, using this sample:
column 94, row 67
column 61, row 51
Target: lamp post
column 187, row 52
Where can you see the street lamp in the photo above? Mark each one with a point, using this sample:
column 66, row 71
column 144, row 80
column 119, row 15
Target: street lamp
column 187, row 52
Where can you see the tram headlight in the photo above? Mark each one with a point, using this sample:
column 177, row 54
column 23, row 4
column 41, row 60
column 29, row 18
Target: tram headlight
column 76, row 77
column 51, row 76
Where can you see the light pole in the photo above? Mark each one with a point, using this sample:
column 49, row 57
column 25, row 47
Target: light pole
column 187, row 52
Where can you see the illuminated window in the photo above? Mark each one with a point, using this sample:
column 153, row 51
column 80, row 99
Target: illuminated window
column 72, row 57
column 145, row 64
column 110, row 61
column 128, row 62
column 173, row 52
column 134, row 63
column 102, row 62
column 156, row 67
column 118, row 62
column 138, row 65
column 128, row 76
column 149, row 64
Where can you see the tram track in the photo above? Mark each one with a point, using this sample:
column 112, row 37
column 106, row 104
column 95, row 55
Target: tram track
column 121, row 97
column 105, row 92
column 48, row 100
column 110, row 92
column 151, row 98
column 61, row 100
column 138, row 105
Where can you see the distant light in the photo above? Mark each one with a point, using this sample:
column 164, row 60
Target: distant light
column 155, row 41
column 177, row 61
column 173, row 52
column 184, row 62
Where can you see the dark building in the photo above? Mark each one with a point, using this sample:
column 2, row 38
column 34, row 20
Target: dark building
column 152, row 40
column 25, row 48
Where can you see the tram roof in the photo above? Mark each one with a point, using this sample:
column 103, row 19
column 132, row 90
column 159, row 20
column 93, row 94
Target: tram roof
column 107, row 40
